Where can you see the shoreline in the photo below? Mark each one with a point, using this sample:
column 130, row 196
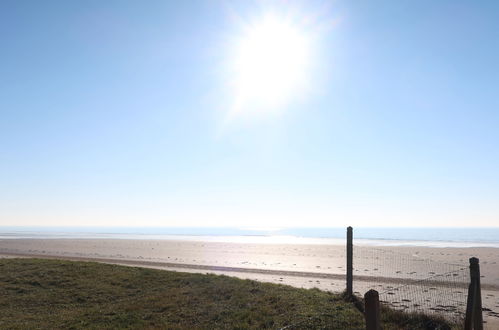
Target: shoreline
column 257, row 239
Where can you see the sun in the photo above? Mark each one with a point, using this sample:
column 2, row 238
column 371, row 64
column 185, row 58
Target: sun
column 270, row 65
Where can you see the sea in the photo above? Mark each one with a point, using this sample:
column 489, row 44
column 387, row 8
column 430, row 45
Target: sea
column 420, row 236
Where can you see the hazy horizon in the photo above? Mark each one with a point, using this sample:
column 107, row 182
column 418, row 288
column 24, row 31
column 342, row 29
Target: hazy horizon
column 249, row 113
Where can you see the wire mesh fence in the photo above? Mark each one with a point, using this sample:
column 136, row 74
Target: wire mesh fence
column 411, row 283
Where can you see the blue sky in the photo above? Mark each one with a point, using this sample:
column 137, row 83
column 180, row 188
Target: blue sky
column 115, row 113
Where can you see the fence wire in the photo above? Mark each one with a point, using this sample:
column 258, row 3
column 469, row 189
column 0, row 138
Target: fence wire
column 411, row 283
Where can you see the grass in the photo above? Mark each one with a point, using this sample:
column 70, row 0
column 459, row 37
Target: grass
column 37, row 293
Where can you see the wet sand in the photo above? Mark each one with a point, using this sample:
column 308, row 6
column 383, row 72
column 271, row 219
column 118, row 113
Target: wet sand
column 300, row 265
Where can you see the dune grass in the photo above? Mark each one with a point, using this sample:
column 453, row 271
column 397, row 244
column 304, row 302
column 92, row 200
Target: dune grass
column 37, row 293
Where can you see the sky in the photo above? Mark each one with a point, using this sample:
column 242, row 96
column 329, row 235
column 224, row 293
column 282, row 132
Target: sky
column 249, row 114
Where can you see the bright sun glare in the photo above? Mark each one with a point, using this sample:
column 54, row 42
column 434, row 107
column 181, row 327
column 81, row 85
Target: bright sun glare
column 270, row 65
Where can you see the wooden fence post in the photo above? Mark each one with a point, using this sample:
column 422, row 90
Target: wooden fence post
column 372, row 312
column 349, row 261
column 468, row 320
column 474, row 318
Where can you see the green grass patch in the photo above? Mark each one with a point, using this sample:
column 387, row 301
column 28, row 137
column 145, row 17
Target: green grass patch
column 37, row 293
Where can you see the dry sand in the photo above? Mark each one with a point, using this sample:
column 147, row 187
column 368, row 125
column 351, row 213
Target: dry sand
column 300, row 265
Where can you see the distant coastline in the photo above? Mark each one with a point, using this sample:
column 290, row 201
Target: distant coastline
column 429, row 237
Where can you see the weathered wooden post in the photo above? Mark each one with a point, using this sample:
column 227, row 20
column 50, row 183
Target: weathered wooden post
column 474, row 318
column 372, row 312
column 349, row 261
column 468, row 319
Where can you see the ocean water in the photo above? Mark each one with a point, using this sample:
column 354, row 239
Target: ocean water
column 431, row 237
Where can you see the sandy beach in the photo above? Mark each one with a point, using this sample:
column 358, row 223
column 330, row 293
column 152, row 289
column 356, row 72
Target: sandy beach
column 300, row 265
